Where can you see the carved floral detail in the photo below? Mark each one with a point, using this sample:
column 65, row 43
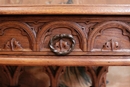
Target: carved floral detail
column 62, row 45
column 111, row 45
column 13, row 45
column 108, row 30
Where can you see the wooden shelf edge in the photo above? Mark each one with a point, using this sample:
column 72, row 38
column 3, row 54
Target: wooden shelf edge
column 66, row 60
column 74, row 53
column 65, row 10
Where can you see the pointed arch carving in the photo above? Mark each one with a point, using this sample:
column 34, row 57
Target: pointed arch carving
column 25, row 31
column 54, row 77
column 99, row 29
column 74, row 28
column 98, row 75
column 101, row 78
column 44, row 75
column 12, row 73
column 90, row 71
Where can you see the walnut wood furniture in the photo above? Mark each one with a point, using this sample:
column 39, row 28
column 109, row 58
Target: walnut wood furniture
column 94, row 36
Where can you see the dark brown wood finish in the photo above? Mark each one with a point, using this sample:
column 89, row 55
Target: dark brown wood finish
column 100, row 41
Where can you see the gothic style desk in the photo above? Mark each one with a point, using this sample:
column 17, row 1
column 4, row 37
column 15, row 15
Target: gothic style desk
column 60, row 36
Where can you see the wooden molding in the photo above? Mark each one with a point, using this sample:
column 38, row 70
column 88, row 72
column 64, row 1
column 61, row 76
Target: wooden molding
column 65, row 60
column 65, row 10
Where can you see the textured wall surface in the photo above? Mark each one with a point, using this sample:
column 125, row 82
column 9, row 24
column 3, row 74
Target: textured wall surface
column 118, row 76
column 3, row 2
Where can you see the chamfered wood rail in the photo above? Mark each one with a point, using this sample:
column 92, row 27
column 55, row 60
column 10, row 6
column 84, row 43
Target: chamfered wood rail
column 66, row 60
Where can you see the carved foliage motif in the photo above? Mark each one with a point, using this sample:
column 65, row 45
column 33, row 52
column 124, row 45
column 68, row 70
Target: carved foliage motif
column 62, row 45
column 63, row 27
column 109, row 36
column 15, row 34
column 13, row 45
column 105, row 36
column 39, row 37
column 111, row 45
column 89, row 28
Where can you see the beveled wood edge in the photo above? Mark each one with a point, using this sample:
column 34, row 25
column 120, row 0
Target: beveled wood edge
column 74, row 53
column 66, row 60
column 65, row 10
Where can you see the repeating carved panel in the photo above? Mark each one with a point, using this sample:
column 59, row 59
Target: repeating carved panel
column 110, row 36
column 53, row 76
column 11, row 75
column 61, row 27
column 92, row 35
column 16, row 36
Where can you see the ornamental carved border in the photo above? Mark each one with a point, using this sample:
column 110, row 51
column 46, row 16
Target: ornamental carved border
column 95, row 76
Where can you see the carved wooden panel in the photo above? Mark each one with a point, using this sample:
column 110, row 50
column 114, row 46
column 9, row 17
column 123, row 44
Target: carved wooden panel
column 61, row 27
column 110, row 36
column 34, row 34
column 16, row 36
column 31, row 35
column 52, row 76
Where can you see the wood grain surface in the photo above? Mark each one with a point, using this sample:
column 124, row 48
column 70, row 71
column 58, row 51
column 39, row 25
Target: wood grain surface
column 94, row 34
column 65, row 10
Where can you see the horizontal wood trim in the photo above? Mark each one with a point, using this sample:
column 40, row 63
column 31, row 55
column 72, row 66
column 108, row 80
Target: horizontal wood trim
column 66, row 60
column 75, row 53
column 65, row 10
